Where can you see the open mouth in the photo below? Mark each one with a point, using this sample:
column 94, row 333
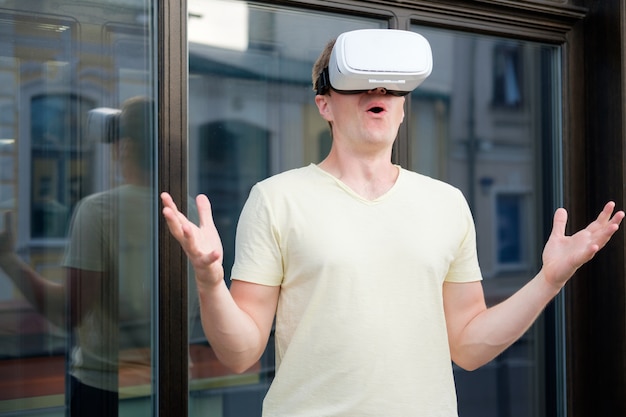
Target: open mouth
column 376, row 109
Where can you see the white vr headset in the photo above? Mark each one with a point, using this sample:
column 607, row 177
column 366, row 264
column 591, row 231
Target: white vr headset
column 361, row 60
column 103, row 125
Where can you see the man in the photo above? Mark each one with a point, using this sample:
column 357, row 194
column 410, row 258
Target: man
column 370, row 271
column 105, row 299
column 110, row 268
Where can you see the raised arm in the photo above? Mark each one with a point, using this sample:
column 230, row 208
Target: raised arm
column 238, row 322
column 47, row 297
column 478, row 334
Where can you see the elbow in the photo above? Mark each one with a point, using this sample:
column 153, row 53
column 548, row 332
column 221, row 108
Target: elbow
column 468, row 361
column 237, row 363
column 467, row 365
column 238, row 367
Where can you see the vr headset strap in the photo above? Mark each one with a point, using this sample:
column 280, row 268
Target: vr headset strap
column 323, row 82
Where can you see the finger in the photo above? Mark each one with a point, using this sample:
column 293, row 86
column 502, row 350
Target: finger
column 204, row 211
column 612, row 226
column 168, row 201
column 607, row 221
column 170, row 215
column 214, row 256
column 175, row 219
column 606, row 212
column 559, row 222
column 165, row 198
column 176, row 228
column 618, row 217
column 603, row 234
column 171, row 212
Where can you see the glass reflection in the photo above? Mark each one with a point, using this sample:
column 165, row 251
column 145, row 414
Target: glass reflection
column 486, row 121
column 251, row 114
column 77, row 234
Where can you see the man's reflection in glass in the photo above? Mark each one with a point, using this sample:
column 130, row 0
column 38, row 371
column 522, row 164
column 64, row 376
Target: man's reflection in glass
column 109, row 268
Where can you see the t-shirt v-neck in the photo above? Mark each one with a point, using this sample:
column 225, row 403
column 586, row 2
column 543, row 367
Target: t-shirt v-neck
column 356, row 195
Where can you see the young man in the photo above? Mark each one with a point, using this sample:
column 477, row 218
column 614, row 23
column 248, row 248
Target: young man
column 370, row 271
column 104, row 301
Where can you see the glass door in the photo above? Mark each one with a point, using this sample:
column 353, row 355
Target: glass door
column 487, row 121
column 78, row 202
column 251, row 115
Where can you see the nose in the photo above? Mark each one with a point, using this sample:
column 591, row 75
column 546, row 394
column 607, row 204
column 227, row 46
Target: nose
column 378, row 90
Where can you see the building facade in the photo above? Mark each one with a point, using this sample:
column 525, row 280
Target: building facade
column 524, row 112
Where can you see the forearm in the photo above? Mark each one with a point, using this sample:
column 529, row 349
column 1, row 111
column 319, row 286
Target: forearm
column 495, row 329
column 47, row 297
column 237, row 340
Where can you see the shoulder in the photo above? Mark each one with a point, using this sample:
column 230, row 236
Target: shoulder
column 104, row 205
column 293, row 176
column 290, row 183
column 94, row 203
column 297, row 189
column 435, row 198
column 430, row 186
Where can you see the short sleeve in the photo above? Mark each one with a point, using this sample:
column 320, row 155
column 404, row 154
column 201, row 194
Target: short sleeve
column 465, row 266
column 86, row 246
column 258, row 255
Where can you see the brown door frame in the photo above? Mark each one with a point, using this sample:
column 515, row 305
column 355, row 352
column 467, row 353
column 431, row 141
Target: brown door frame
column 593, row 160
column 172, row 351
column 594, row 174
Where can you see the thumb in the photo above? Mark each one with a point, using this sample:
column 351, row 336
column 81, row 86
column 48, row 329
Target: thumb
column 559, row 222
column 205, row 212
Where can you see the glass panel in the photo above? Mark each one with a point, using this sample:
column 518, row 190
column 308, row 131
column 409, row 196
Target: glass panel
column 78, row 203
column 486, row 121
column 251, row 114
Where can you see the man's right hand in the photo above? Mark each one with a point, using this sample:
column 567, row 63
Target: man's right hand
column 236, row 321
column 202, row 244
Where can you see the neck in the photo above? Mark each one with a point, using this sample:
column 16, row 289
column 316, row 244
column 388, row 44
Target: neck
column 134, row 176
column 368, row 177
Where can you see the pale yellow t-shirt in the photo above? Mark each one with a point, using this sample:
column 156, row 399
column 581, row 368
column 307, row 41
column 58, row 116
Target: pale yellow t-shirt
column 360, row 327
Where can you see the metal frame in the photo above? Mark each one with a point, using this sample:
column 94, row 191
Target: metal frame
column 594, row 129
column 172, row 352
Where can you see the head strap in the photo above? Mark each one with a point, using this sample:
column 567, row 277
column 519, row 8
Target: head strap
column 323, row 82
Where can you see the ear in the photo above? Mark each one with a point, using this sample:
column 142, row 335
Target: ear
column 324, row 107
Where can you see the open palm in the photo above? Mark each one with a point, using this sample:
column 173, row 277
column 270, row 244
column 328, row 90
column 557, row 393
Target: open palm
column 563, row 255
column 202, row 244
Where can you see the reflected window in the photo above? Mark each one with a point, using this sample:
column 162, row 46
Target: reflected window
column 234, row 155
column 251, row 115
column 459, row 133
column 77, row 213
column 507, row 76
column 58, row 161
column 511, row 228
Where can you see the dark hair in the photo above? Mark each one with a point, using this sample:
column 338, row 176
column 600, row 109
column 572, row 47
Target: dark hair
column 322, row 63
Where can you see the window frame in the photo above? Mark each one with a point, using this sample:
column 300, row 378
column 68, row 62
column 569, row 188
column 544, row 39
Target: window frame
column 171, row 355
column 543, row 21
